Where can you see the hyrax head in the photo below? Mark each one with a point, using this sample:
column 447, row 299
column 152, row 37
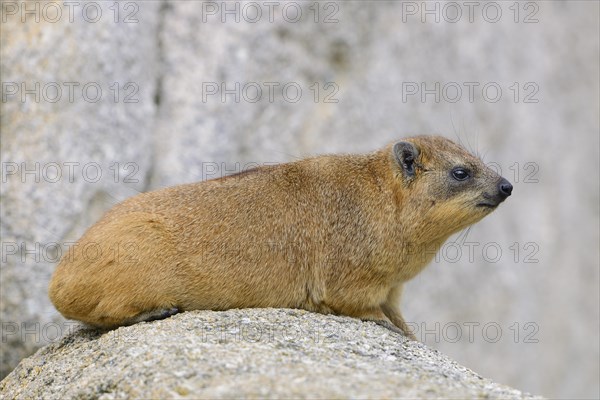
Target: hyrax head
column 445, row 188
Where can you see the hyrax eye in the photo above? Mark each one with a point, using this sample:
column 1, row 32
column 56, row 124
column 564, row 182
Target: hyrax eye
column 460, row 174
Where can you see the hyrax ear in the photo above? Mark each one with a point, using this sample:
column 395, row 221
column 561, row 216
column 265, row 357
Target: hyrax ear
column 406, row 155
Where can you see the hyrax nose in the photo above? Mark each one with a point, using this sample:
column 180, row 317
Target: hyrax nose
column 504, row 188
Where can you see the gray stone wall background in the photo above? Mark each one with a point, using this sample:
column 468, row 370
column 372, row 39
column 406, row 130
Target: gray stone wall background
column 527, row 317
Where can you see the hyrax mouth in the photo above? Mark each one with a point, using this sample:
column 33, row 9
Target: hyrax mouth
column 504, row 189
column 487, row 205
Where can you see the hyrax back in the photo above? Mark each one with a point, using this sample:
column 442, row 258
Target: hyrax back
column 332, row 234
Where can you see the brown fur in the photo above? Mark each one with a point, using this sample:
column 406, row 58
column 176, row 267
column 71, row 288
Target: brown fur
column 331, row 234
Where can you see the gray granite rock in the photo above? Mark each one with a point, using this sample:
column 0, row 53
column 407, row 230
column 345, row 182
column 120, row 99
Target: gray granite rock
column 267, row 353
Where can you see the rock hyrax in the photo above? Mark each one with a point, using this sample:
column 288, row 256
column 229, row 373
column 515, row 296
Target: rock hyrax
column 335, row 234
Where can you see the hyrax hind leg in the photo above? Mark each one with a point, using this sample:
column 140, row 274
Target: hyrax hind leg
column 128, row 279
column 153, row 315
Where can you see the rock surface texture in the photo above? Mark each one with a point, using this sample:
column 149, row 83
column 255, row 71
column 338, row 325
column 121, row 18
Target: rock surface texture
column 268, row 353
